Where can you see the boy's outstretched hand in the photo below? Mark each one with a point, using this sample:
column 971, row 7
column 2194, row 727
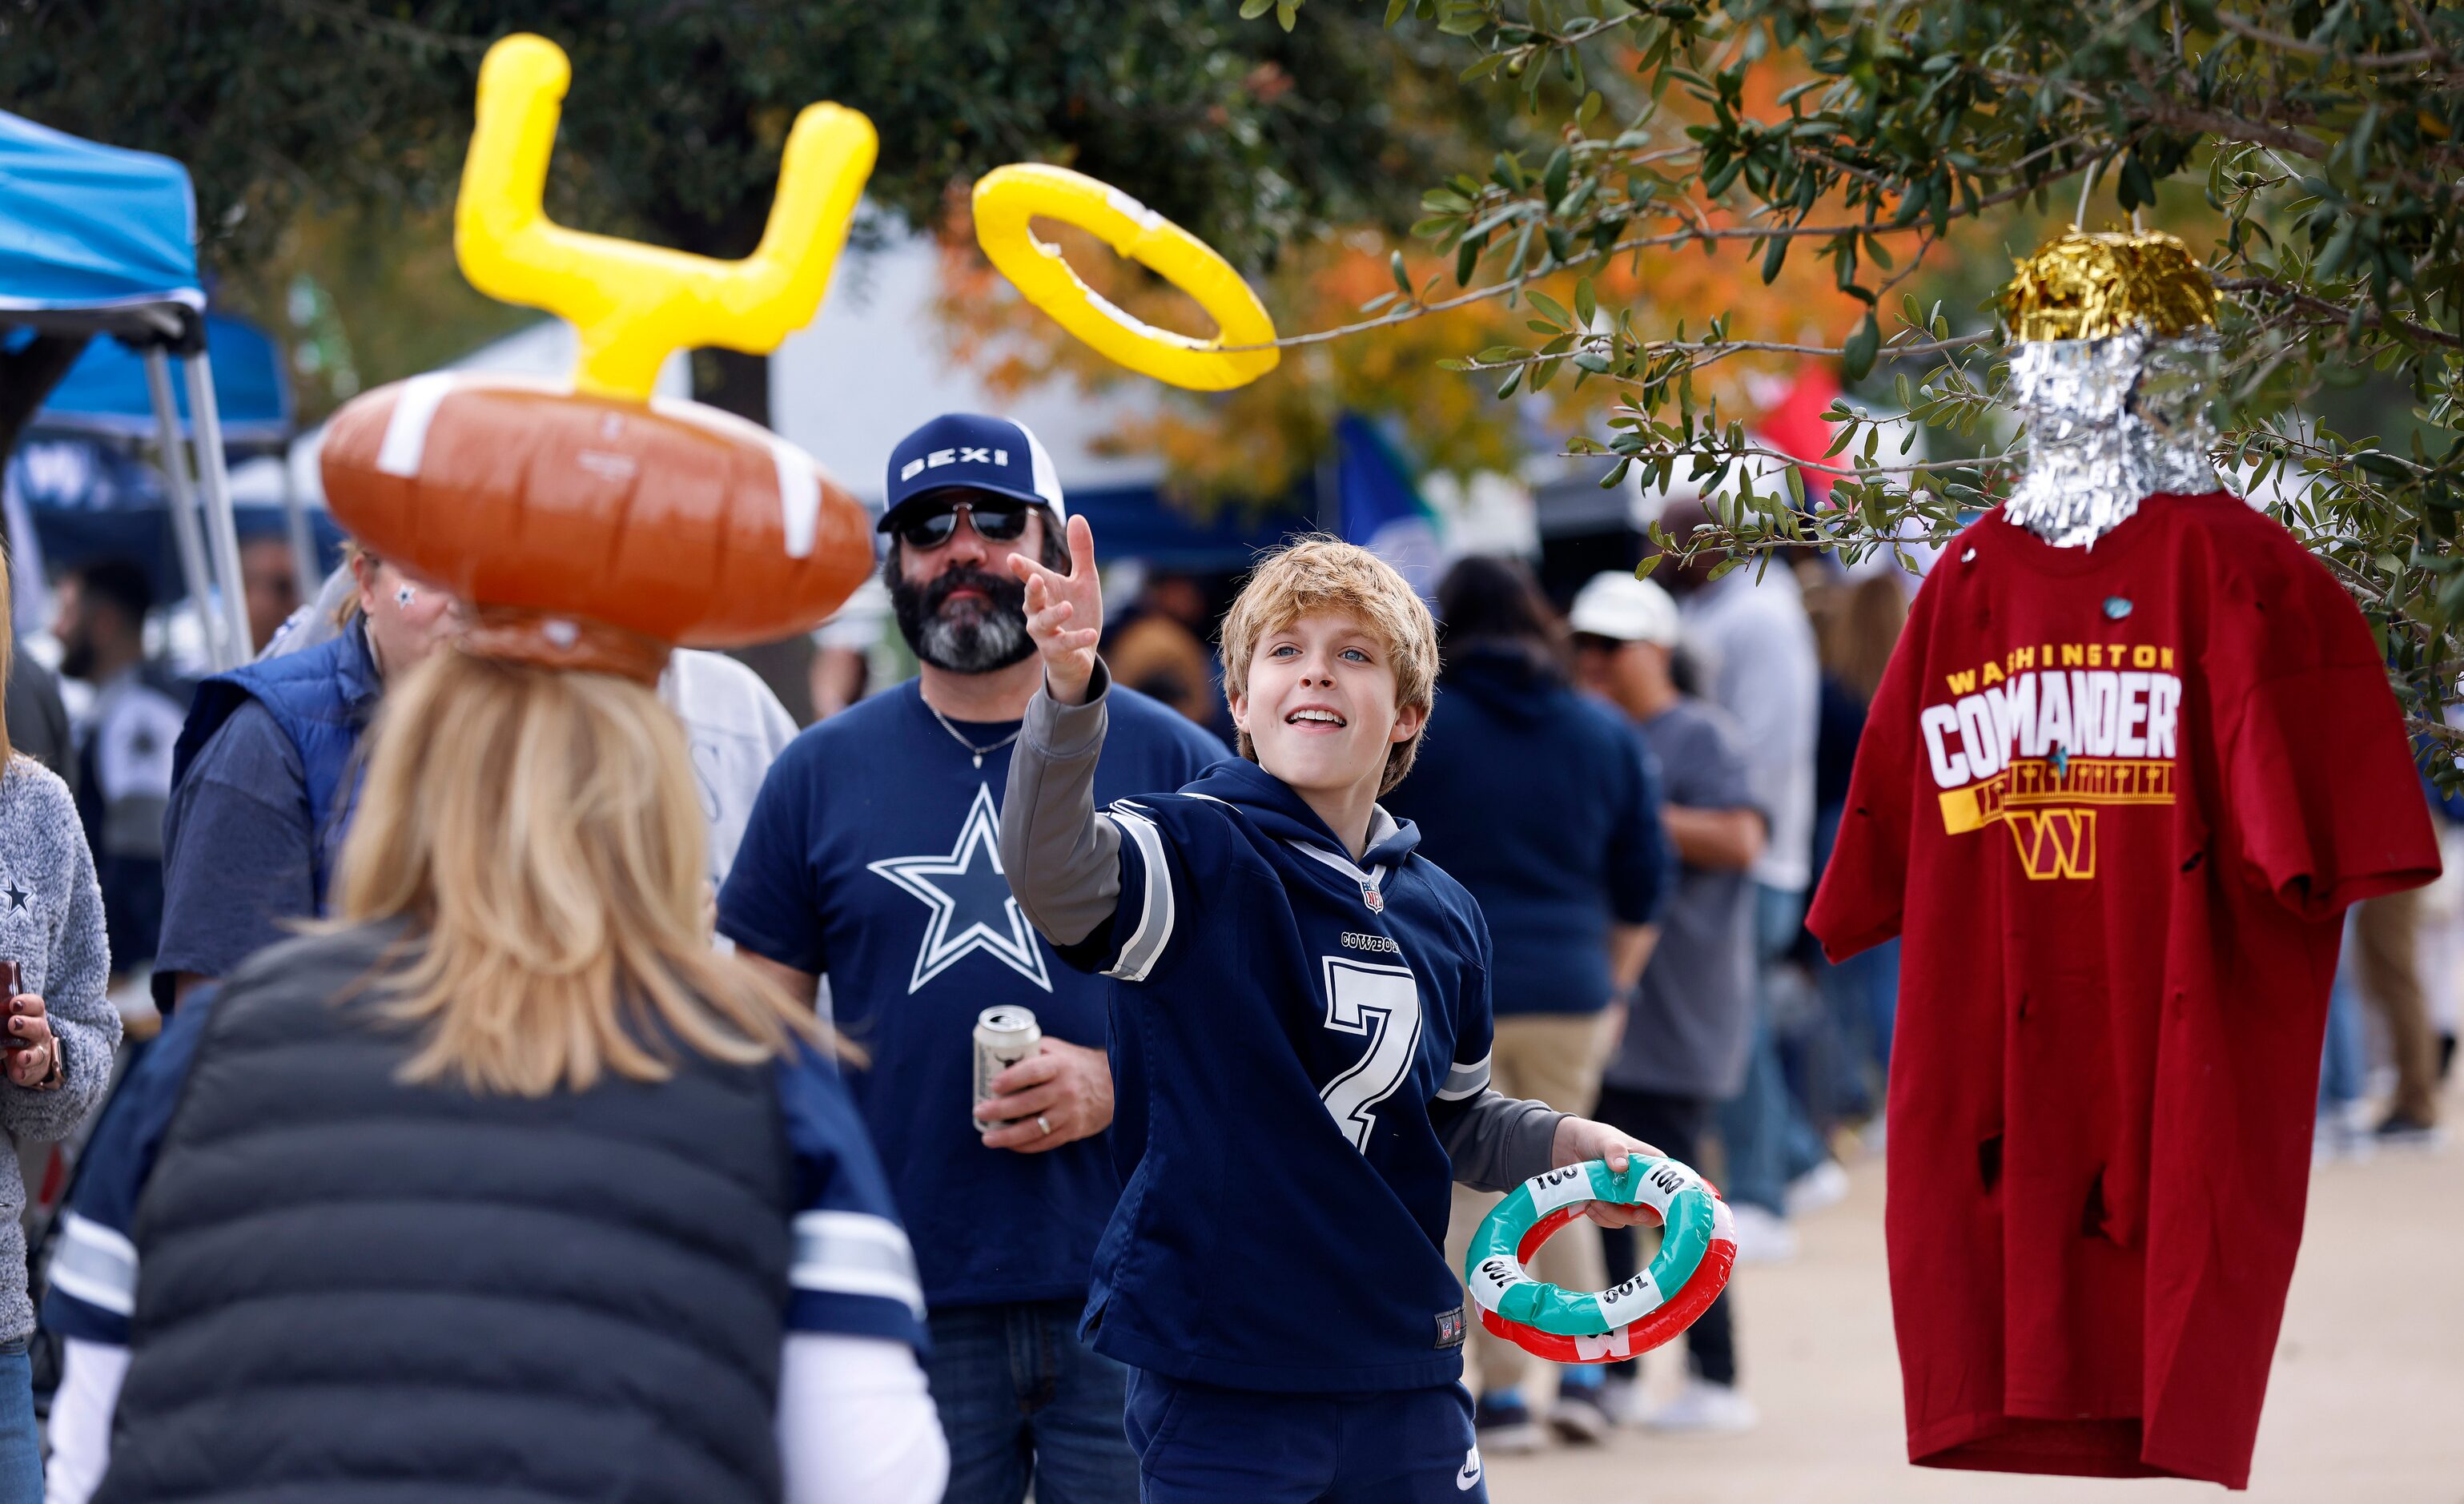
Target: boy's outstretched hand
column 1065, row 615
column 1579, row 1139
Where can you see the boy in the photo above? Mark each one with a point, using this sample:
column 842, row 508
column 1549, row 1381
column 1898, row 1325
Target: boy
column 1300, row 1035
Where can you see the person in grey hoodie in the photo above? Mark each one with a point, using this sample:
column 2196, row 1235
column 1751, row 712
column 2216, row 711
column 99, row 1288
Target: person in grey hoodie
column 60, row 1031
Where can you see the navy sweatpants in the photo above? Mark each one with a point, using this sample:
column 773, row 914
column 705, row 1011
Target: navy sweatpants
column 1200, row 1445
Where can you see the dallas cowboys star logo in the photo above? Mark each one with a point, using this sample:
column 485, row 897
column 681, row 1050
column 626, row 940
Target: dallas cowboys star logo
column 15, row 895
column 970, row 899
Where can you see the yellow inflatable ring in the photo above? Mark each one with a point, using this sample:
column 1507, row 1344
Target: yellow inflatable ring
column 1006, row 198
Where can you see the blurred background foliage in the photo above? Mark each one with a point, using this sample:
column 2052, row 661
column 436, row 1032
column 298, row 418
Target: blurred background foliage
column 2309, row 153
column 1581, row 226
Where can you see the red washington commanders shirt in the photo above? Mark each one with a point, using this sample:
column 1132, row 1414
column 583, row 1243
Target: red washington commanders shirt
column 2114, row 800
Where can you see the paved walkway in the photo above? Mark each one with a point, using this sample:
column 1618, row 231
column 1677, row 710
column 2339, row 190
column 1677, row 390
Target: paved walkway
column 2367, row 1402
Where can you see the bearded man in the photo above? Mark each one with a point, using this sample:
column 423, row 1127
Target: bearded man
column 871, row 859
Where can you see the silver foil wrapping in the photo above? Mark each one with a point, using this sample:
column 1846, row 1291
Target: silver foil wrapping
column 2110, row 423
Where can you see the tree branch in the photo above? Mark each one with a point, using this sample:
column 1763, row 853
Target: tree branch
column 2335, row 312
column 2250, row 31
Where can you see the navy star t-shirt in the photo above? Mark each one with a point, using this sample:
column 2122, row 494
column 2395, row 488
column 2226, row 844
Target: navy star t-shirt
column 872, row 856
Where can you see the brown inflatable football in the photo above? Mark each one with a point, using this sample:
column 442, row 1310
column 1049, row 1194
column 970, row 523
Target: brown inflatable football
column 669, row 520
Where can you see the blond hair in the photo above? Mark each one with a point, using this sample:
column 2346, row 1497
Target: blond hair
column 541, row 833
column 1320, row 573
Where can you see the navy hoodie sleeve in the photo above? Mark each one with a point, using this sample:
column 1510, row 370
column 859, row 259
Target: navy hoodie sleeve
column 1642, row 861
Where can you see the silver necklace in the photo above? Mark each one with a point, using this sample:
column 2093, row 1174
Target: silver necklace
column 978, row 751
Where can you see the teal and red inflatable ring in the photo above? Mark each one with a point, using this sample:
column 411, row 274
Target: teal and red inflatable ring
column 1697, row 1252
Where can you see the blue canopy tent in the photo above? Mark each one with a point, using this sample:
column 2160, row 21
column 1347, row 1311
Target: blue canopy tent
column 105, row 391
column 85, row 497
column 106, row 394
column 95, row 240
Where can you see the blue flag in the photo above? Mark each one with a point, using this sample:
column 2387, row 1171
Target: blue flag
column 1380, row 509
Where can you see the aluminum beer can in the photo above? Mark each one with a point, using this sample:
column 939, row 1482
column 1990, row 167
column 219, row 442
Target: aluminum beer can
column 1004, row 1036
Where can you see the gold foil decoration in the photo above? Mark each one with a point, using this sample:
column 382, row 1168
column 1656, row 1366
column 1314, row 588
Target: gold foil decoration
column 2082, row 286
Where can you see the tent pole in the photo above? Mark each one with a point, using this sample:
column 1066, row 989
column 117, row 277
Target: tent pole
column 303, row 542
column 222, row 530
column 184, row 499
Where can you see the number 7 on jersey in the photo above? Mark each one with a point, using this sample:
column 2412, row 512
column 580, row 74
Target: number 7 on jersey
column 1384, row 1004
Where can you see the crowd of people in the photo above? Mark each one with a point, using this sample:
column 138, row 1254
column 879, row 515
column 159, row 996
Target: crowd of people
column 1594, row 817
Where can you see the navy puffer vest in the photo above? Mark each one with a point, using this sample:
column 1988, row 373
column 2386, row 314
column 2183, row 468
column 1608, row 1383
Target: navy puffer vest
column 322, row 698
column 352, row 1290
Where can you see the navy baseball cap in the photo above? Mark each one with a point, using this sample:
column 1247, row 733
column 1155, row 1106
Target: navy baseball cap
column 971, row 452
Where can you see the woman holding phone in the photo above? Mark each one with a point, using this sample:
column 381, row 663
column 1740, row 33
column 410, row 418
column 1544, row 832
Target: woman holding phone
column 61, row 1030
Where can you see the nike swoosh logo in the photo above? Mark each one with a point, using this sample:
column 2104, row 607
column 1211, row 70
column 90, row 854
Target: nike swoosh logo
column 1469, row 1478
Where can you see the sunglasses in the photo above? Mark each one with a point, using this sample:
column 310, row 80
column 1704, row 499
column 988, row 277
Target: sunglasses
column 995, row 522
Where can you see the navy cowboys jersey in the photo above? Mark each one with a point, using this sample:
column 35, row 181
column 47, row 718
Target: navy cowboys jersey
column 872, row 856
column 1291, row 1032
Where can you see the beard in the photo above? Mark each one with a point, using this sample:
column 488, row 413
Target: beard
column 78, row 654
column 971, row 637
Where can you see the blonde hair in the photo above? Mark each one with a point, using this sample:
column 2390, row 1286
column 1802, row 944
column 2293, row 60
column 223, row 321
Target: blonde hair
column 346, row 610
column 541, row 833
column 1320, row 573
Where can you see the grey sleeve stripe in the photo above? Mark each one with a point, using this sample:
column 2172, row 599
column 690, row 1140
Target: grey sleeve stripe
column 855, row 1253
column 1464, row 1081
column 96, row 1265
column 1145, row 948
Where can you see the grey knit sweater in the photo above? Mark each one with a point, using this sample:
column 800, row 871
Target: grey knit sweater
column 51, row 925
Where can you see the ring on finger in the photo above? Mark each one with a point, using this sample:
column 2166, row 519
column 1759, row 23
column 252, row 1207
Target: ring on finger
column 1045, row 1123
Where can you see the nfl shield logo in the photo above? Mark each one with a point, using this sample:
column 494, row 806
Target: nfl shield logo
column 1370, row 895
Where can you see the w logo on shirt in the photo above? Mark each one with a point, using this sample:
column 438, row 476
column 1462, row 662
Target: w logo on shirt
column 2055, row 843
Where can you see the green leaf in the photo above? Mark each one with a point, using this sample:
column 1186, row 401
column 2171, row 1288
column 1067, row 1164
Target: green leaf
column 1590, row 107
column 1857, row 358
column 1586, row 305
column 1497, row 353
column 1551, row 309
column 1402, row 278
column 1773, row 254
column 1394, row 11
column 1252, row 10
column 1559, row 174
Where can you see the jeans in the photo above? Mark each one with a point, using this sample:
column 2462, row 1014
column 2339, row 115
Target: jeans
column 1200, row 1445
column 1022, row 1399
column 1674, row 1125
column 2344, row 1071
column 1763, row 1132
column 21, row 1441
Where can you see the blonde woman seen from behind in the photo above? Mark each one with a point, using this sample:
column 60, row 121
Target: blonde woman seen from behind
column 505, row 1181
